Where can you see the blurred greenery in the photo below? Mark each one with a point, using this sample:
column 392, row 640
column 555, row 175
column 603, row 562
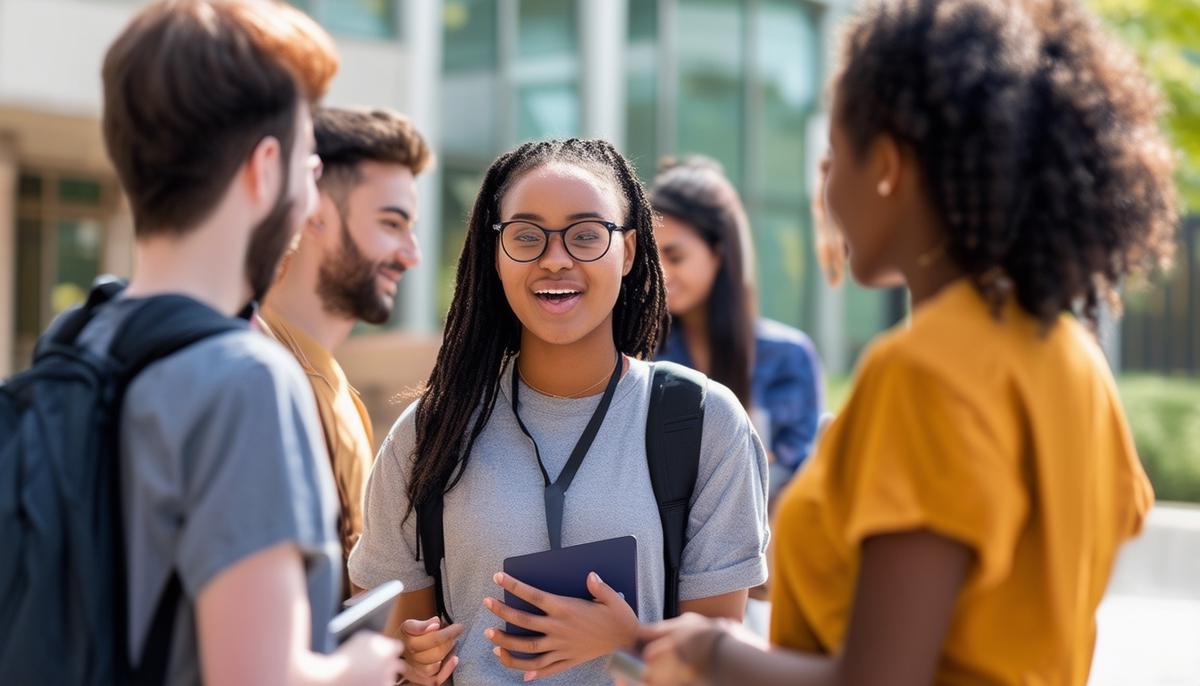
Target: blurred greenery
column 1166, row 36
column 837, row 389
column 1164, row 413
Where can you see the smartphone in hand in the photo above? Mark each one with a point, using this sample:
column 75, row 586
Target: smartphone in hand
column 370, row 612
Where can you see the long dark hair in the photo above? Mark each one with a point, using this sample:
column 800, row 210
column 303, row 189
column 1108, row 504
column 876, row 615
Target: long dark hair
column 482, row 332
column 1038, row 137
column 696, row 192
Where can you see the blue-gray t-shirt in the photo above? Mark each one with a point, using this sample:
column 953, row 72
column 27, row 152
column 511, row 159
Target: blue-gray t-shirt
column 221, row 457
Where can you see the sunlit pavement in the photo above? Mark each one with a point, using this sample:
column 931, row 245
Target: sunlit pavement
column 1149, row 625
column 1147, row 642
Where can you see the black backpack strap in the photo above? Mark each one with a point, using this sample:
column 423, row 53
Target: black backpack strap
column 64, row 331
column 151, row 670
column 674, row 429
column 158, row 327
column 163, row 325
column 431, row 548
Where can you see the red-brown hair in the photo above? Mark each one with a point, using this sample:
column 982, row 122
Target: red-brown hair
column 192, row 86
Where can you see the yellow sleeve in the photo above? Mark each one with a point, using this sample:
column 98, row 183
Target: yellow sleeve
column 915, row 453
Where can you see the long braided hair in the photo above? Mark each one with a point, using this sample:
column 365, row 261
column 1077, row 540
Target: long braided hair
column 1038, row 137
column 482, row 333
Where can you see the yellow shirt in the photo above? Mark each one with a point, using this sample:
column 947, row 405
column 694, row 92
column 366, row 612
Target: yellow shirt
column 344, row 419
column 997, row 434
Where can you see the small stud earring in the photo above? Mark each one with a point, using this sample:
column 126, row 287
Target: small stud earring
column 885, row 188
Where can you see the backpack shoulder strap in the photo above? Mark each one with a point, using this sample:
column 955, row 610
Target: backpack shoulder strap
column 63, row 332
column 156, row 652
column 674, row 428
column 157, row 328
column 163, row 325
column 431, row 547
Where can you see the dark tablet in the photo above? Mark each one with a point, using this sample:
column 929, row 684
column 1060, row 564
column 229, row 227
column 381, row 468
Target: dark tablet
column 564, row 572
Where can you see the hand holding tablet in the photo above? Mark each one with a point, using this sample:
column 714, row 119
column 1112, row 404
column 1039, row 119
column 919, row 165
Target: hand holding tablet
column 570, row 614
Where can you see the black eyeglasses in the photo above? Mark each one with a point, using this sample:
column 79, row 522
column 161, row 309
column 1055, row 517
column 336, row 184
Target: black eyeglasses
column 585, row 241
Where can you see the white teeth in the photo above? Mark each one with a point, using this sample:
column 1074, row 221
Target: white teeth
column 556, row 292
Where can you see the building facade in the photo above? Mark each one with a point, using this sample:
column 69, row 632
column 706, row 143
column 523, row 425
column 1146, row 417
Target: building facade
column 739, row 80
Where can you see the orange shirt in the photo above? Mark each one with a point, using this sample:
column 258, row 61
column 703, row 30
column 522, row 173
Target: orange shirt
column 344, row 419
column 992, row 432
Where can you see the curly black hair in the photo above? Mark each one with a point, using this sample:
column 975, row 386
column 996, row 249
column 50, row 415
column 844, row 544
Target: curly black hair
column 482, row 332
column 1037, row 134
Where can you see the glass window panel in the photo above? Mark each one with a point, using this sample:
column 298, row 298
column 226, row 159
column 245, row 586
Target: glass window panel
column 29, row 278
column 641, row 121
column 641, row 87
column 77, row 262
column 787, row 62
column 783, row 261
column 865, row 315
column 470, row 102
column 547, row 111
column 460, row 185
column 29, row 187
column 469, row 35
column 643, row 20
column 711, row 69
column 547, row 27
column 546, row 73
column 362, row 18
column 79, row 192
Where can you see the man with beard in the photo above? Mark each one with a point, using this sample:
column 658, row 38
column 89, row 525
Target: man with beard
column 227, row 500
column 345, row 269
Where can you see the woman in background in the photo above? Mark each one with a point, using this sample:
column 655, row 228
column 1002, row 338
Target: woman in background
column 704, row 245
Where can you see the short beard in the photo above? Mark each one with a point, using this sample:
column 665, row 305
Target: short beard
column 346, row 282
column 268, row 242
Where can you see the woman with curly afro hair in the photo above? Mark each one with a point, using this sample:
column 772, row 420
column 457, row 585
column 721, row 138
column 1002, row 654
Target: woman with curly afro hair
column 959, row 521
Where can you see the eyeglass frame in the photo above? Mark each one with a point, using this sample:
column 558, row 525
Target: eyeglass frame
column 499, row 227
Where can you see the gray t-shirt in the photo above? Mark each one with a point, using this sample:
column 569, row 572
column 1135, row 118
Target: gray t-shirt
column 497, row 510
column 221, row 457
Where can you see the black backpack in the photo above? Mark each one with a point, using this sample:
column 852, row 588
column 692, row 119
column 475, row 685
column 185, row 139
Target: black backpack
column 62, row 565
column 674, row 428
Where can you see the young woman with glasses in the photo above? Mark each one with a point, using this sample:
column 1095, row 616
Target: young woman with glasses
column 559, row 301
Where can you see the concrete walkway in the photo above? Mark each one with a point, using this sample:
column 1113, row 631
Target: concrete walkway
column 1149, row 624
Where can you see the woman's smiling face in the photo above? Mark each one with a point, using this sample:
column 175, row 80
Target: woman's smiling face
column 557, row 298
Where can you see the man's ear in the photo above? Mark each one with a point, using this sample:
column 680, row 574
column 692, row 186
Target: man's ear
column 325, row 219
column 263, row 172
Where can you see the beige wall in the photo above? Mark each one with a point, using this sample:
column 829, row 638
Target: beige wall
column 372, row 74
column 56, row 141
column 385, row 368
column 51, row 52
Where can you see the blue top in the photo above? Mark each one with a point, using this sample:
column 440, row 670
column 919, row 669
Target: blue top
column 785, row 387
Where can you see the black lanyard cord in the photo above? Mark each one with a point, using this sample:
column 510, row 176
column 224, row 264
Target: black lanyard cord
column 556, row 491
